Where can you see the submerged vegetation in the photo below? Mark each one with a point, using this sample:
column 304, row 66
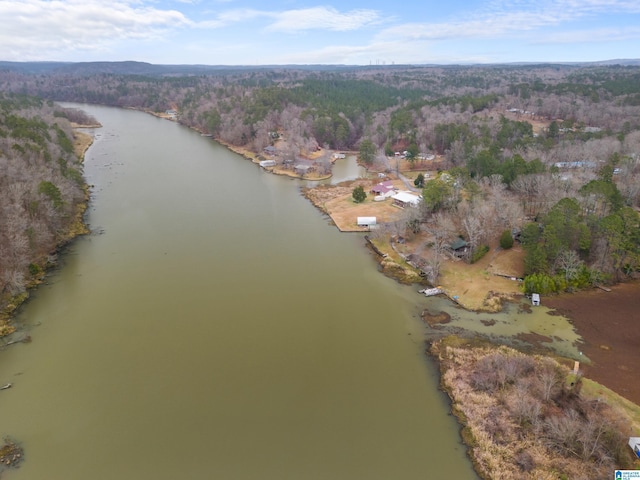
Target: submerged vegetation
column 11, row 454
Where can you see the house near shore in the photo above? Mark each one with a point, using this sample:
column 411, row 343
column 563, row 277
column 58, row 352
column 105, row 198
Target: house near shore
column 269, row 150
column 302, row 167
column 406, row 199
column 383, row 189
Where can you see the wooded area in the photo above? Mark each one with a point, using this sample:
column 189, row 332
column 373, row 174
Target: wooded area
column 42, row 192
column 550, row 153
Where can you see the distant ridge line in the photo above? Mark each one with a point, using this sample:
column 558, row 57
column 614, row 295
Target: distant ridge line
column 131, row 67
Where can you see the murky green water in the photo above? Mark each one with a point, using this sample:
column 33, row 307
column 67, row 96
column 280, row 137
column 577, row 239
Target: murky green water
column 217, row 327
column 518, row 324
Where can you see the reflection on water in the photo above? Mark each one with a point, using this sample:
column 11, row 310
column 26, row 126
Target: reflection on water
column 347, row 169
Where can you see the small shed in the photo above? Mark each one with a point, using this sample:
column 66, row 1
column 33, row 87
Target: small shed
column 535, row 299
column 459, row 247
column 366, row 221
column 634, row 443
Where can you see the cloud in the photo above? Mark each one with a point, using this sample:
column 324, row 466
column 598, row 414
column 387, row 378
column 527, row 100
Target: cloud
column 325, row 18
column 511, row 17
column 294, row 21
column 32, row 28
column 600, row 6
column 594, row 35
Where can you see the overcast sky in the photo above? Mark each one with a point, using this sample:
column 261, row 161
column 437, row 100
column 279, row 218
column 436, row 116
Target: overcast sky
column 354, row 32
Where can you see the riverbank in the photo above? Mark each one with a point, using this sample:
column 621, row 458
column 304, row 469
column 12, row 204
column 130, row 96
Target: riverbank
column 81, row 143
column 277, row 170
column 483, row 286
column 281, row 366
column 530, row 416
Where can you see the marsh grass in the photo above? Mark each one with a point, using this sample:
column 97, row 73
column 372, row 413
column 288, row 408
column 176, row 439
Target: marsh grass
column 527, row 416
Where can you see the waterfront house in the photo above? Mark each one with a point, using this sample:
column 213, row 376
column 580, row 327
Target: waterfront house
column 383, row 189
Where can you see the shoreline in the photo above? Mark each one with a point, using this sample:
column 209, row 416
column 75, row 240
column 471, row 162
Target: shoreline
column 498, row 425
column 244, row 152
column 78, row 227
column 393, row 266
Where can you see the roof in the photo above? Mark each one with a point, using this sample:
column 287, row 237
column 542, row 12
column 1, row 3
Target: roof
column 458, row 243
column 383, row 187
column 406, row 197
column 366, row 220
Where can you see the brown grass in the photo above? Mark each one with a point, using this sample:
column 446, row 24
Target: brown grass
column 337, row 202
column 527, row 417
column 484, row 285
column 81, row 143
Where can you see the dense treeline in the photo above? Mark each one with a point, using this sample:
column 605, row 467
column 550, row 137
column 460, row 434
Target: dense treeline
column 515, row 141
column 343, row 107
column 42, row 189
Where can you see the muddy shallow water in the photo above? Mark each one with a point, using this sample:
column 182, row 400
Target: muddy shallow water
column 518, row 324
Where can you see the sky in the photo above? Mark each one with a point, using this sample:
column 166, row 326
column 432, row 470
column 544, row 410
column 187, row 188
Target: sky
column 350, row 32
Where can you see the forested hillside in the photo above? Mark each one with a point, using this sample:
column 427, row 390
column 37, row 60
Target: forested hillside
column 41, row 190
column 550, row 153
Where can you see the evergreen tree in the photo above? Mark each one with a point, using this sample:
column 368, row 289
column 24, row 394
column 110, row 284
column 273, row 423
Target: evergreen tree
column 359, row 195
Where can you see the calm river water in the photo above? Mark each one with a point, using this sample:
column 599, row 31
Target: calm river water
column 215, row 326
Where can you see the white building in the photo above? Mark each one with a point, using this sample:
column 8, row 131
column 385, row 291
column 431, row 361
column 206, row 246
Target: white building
column 366, row 221
column 403, row 199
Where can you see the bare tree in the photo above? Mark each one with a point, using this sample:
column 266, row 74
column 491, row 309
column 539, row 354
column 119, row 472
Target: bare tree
column 569, row 262
column 440, row 229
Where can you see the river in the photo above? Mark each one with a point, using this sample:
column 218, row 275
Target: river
column 216, row 326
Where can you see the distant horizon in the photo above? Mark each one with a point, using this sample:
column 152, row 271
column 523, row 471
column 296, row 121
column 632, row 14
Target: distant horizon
column 289, row 32
column 612, row 61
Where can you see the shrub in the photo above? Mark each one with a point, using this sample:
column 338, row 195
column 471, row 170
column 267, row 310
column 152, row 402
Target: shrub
column 34, row 269
column 479, row 252
column 506, row 240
